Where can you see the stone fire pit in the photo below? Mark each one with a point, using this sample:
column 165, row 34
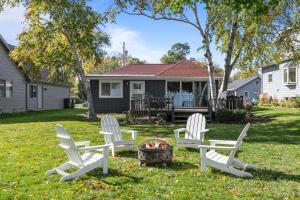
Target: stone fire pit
column 155, row 152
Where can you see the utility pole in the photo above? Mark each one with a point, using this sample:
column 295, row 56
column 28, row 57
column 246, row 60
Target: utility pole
column 124, row 55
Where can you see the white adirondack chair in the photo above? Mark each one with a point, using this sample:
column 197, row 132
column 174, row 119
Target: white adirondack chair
column 86, row 162
column 113, row 136
column 225, row 163
column 194, row 132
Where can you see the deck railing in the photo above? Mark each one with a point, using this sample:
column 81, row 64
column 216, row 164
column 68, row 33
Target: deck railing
column 230, row 103
column 149, row 105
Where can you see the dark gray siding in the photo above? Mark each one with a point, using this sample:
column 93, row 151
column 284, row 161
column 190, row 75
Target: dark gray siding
column 155, row 88
column 103, row 105
column 9, row 71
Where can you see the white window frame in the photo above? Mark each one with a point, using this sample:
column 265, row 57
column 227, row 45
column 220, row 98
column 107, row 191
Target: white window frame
column 288, row 75
column 5, row 87
column 247, row 93
column 110, row 81
column 270, row 74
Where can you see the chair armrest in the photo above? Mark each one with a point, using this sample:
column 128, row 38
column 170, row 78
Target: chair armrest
column 82, row 143
column 132, row 132
column 99, row 147
column 216, row 147
column 204, row 131
column 180, row 130
column 229, row 142
column 177, row 131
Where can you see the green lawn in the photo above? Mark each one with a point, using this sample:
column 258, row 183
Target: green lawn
column 28, row 148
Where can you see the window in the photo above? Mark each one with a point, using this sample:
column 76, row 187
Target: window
column 246, row 94
column 137, row 86
column 270, row 78
column 33, row 91
column 289, row 75
column 6, row 88
column 111, row 89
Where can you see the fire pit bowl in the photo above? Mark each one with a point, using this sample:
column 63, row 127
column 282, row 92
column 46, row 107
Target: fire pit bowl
column 155, row 152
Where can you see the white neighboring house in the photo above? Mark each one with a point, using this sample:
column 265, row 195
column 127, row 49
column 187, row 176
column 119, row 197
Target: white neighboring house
column 281, row 81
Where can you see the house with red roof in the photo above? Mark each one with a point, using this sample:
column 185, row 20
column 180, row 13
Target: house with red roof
column 183, row 81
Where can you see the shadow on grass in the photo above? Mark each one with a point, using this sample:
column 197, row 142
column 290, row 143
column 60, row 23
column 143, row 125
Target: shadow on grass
column 77, row 114
column 272, row 175
column 115, row 177
column 127, row 154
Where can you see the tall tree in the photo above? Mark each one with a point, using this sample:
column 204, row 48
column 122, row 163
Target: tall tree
column 69, row 23
column 178, row 52
column 244, row 31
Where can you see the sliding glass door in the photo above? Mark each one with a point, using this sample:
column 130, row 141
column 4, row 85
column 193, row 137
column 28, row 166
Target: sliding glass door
column 173, row 90
column 187, row 94
column 182, row 92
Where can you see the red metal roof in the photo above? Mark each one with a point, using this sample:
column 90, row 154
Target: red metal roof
column 183, row 68
column 141, row 69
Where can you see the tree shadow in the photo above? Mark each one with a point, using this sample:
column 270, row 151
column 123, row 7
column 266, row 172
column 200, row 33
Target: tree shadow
column 174, row 166
column 127, row 154
column 265, row 175
column 115, row 177
column 272, row 175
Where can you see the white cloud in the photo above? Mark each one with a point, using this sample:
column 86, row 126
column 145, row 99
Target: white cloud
column 12, row 23
column 136, row 46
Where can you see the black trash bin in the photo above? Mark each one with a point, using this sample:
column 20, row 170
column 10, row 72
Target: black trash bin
column 69, row 103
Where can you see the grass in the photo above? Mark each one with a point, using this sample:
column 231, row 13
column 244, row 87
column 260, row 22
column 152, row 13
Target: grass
column 28, row 148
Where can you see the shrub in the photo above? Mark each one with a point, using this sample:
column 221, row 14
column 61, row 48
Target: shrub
column 297, row 102
column 161, row 115
column 231, row 116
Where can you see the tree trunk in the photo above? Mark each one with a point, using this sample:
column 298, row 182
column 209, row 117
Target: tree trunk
column 225, row 81
column 202, row 94
column 81, row 75
column 228, row 66
column 210, row 68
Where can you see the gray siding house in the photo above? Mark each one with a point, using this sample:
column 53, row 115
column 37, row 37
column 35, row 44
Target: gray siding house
column 281, row 81
column 112, row 91
column 19, row 94
column 249, row 88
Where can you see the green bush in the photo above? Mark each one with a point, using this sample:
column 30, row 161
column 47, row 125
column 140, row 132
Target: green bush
column 162, row 115
column 297, row 102
column 231, row 116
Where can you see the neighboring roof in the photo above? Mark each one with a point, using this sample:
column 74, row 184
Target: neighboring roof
column 183, row 69
column 275, row 64
column 239, row 83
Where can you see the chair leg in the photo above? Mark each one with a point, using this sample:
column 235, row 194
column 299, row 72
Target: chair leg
column 203, row 160
column 113, row 151
column 105, row 166
column 63, row 167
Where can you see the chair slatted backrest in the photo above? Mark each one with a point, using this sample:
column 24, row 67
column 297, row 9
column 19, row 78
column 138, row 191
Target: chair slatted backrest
column 195, row 124
column 67, row 143
column 110, row 124
column 239, row 142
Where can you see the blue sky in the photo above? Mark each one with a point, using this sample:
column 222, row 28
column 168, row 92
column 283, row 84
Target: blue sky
column 145, row 38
